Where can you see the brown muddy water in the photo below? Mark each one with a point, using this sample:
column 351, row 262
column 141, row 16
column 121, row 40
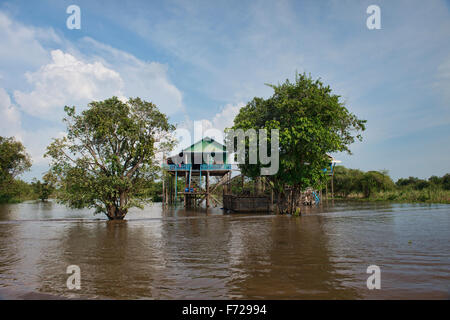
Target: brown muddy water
column 197, row 254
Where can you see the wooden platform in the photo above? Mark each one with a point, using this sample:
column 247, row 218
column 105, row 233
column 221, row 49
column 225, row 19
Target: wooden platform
column 247, row 203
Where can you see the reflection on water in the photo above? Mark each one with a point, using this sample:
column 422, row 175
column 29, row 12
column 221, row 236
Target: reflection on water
column 180, row 254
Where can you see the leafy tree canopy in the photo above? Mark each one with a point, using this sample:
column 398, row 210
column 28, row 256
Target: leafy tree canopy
column 108, row 154
column 312, row 121
column 13, row 158
column 13, row 161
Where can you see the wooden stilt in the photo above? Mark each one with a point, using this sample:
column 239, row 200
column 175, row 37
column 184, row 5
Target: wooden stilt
column 163, row 192
column 271, row 200
column 207, row 189
column 263, row 180
column 175, row 183
column 332, row 189
column 185, row 184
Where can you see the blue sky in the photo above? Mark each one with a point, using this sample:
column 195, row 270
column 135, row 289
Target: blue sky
column 203, row 60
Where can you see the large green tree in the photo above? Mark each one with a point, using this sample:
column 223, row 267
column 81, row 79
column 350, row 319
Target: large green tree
column 13, row 161
column 312, row 121
column 108, row 155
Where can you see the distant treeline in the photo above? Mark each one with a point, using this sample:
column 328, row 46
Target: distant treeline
column 17, row 191
column 378, row 185
column 14, row 161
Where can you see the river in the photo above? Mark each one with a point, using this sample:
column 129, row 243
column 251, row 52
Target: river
column 197, row 254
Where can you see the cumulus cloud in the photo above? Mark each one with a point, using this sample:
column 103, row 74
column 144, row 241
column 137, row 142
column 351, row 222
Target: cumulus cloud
column 71, row 80
column 35, row 141
column 190, row 131
column 22, row 49
column 58, row 72
column 224, row 119
column 11, row 123
column 67, row 81
column 147, row 79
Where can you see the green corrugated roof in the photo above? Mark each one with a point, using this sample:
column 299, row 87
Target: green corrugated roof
column 206, row 145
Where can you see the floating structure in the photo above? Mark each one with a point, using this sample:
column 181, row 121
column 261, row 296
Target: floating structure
column 204, row 159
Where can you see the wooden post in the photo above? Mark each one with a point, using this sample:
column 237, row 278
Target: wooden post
column 175, row 195
column 207, row 189
column 185, row 184
column 163, row 191
column 263, row 186
column 224, row 189
column 257, row 185
column 167, row 198
column 271, row 200
column 169, row 187
column 332, row 189
column 242, row 182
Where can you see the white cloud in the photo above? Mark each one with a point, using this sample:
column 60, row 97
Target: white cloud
column 189, row 131
column 22, row 49
column 9, row 115
column 74, row 79
column 224, row 119
column 58, row 73
column 67, row 81
column 144, row 79
column 35, row 141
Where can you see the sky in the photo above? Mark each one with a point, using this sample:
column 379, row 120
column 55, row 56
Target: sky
column 204, row 60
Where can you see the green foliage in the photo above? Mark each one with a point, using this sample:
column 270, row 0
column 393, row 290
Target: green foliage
column 17, row 191
column 446, row 181
column 347, row 181
column 419, row 184
column 312, row 121
column 13, row 161
column 108, row 155
column 152, row 190
column 44, row 189
column 443, row 182
column 373, row 181
column 377, row 185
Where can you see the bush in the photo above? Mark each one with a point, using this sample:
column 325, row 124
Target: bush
column 374, row 181
column 446, row 181
column 347, row 181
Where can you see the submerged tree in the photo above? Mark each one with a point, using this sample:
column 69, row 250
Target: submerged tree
column 312, row 121
column 108, row 155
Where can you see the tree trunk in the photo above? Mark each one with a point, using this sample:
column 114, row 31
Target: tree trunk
column 115, row 213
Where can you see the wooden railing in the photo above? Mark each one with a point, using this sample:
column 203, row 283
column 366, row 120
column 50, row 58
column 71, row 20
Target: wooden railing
column 203, row 167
